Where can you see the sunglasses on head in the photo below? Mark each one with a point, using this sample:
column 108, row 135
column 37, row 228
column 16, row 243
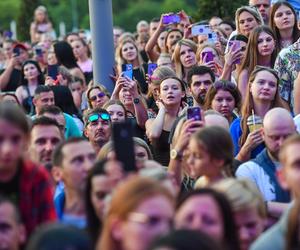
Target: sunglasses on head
column 224, row 85
column 96, row 117
column 94, row 97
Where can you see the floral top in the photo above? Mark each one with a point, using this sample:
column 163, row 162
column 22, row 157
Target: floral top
column 287, row 66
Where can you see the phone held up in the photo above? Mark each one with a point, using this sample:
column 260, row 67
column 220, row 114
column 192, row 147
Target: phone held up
column 194, row 113
column 127, row 70
column 124, row 146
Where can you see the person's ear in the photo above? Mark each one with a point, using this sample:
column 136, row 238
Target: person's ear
column 34, row 101
column 56, row 173
column 85, row 132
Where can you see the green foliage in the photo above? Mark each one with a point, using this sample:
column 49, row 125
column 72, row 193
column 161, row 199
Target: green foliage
column 9, row 11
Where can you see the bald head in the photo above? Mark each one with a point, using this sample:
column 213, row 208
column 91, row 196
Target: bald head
column 278, row 124
column 216, row 120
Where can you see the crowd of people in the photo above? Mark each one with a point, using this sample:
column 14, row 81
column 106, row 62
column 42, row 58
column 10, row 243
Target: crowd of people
column 212, row 109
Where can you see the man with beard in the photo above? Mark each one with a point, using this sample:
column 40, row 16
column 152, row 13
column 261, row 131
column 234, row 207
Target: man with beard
column 200, row 78
column 278, row 124
column 97, row 127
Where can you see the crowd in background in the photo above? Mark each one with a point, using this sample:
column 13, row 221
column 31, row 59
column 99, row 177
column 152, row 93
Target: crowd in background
column 212, row 108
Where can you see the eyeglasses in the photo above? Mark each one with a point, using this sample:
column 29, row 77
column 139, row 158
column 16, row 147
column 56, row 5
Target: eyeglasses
column 96, row 117
column 224, row 85
column 149, row 220
column 99, row 95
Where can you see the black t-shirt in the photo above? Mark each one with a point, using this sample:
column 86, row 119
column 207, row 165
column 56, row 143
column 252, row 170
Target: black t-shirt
column 10, row 189
column 14, row 81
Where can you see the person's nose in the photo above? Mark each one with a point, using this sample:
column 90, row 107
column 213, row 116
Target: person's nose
column 224, row 103
column 49, row 145
column 197, row 223
column 7, row 148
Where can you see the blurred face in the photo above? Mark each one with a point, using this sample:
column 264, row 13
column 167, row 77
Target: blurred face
column 199, row 87
column 8, row 50
column 101, row 188
column 97, row 98
column 263, row 6
column 51, row 58
column 199, row 162
column 126, row 97
column 291, row 169
column 265, row 44
column 247, row 23
column 30, row 71
column 117, row 34
column 44, row 99
column 153, row 27
column 152, row 218
column 284, row 18
column 214, row 22
column 275, row 134
column 249, row 225
column 12, row 145
column 172, row 37
column 264, row 86
column 43, row 140
column 40, row 15
column 161, row 39
column 78, row 159
column 72, row 38
column 116, row 112
column 243, row 49
column 12, row 234
column 171, row 92
column 129, row 52
column 223, row 102
column 79, row 49
column 141, row 155
column 201, row 213
column 226, row 28
column 187, row 56
column 76, row 87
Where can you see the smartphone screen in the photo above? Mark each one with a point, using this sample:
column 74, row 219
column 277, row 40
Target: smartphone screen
column 16, row 51
column 173, row 18
column 209, row 56
column 39, row 52
column 53, row 71
column 200, row 29
column 151, row 68
column 123, row 145
column 236, row 45
column 194, row 113
column 127, row 70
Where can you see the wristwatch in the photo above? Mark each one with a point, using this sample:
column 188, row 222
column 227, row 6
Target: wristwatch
column 136, row 100
column 175, row 155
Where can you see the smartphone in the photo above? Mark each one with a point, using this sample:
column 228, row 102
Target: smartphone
column 209, row 56
column 151, row 68
column 39, row 52
column 173, row 18
column 16, row 51
column 212, row 37
column 200, row 29
column 127, row 70
column 236, row 45
column 53, row 71
column 194, row 113
column 124, row 146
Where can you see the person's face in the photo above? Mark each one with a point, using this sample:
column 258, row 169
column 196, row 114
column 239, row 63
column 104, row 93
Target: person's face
column 72, row 38
column 141, row 155
column 101, row 188
column 78, row 49
column 223, row 102
column 12, row 234
column 243, row 49
column 30, row 71
column 129, row 52
column 12, row 145
column 117, row 34
column 51, row 58
column 265, row 44
column 98, row 131
column 249, row 225
column 201, row 213
column 152, row 218
column 171, row 92
column 215, row 22
column 8, row 50
column 76, row 87
column 275, row 134
column 291, row 169
column 78, row 159
column 187, row 56
column 40, row 15
column 23, row 56
column 247, row 23
column 153, row 27
column 43, row 140
column 199, row 86
column 44, row 99
column 97, row 98
column 143, row 29
column 172, row 37
column 263, row 6
column 161, row 39
column 126, row 97
column 116, row 112
column 60, row 118
column 226, row 28
column 264, row 86
column 284, row 18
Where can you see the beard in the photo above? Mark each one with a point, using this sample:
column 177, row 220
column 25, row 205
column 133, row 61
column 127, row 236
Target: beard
column 200, row 98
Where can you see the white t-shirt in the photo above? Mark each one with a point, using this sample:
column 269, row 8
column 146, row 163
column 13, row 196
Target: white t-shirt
column 256, row 174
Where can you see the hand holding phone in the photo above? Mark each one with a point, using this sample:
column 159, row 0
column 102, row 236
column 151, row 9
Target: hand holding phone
column 151, row 68
column 53, row 71
column 16, row 51
column 127, row 70
column 170, row 19
column 194, row 113
column 207, row 56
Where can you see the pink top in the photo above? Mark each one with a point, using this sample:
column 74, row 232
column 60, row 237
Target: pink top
column 86, row 66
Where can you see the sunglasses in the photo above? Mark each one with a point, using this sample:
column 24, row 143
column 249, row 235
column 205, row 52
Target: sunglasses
column 99, row 95
column 224, row 85
column 96, row 117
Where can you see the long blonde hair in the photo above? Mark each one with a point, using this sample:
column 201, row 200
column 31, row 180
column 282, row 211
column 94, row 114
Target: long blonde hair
column 127, row 197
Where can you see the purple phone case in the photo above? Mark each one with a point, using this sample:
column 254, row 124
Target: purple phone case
column 209, row 57
column 194, row 113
